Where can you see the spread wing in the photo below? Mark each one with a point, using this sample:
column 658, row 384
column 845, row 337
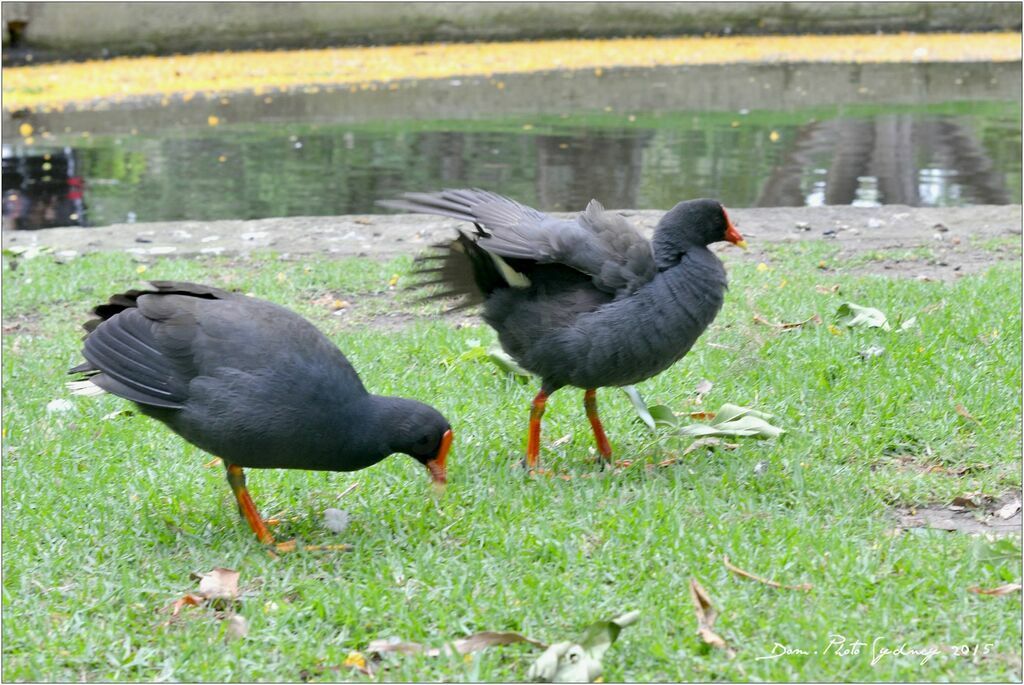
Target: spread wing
column 138, row 346
column 598, row 243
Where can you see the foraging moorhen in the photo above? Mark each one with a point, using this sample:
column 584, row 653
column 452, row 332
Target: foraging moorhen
column 587, row 302
column 252, row 383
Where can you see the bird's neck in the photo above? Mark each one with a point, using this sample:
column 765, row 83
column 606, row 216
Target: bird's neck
column 670, row 246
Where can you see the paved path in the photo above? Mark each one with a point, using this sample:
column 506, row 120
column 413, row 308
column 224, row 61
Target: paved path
column 954, row 234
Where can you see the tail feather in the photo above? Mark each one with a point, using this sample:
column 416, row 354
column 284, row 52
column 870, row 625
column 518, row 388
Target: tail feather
column 463, row 268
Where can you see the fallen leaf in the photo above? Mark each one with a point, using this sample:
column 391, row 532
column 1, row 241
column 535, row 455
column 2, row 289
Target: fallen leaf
column 640, row 406
column 996, row 591
column 187, row 600
column 219, row 584
column 703, row 388
column 788, row 326
column 962, row 411
column 706, row 615
column 854, row 315
column 965, row 502
column 507, row 363
column 827, row 289
column 663, row 416
column 580, row 661
column 488, row 638
column 907, row 324
column 804, row 587
column 467, row 645
column 237, row 628
column 1009, row 509
column 734, row 420
column 702, row 415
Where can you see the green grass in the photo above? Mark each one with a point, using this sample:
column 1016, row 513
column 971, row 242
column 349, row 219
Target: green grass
column 104, row 520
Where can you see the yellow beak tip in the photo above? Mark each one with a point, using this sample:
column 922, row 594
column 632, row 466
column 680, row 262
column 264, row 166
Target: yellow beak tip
column 742, row 244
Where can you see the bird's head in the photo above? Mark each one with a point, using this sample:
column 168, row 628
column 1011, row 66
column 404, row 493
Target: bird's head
column 425, row 435
column 693, row 223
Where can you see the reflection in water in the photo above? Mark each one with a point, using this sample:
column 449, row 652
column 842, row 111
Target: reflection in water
column 41, row 190
column 286, row 169
column 888, row 159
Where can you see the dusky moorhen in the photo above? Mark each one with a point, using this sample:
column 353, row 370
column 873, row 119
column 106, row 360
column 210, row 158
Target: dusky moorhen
column 588, row 301
column 252, row 383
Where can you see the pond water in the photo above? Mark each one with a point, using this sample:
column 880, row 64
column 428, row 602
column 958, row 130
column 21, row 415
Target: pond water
column 935, row 154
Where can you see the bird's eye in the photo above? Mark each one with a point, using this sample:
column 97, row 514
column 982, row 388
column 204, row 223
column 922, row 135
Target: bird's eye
column 424, row 441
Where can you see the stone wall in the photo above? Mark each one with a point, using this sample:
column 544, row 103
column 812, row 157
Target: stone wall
column 91, row 29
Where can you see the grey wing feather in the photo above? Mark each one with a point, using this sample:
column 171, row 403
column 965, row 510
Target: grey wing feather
column 598, row 243
column 123, row 352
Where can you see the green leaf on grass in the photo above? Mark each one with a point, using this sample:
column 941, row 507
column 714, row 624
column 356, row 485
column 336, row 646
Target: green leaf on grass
column 507, row 363
column 580, row 661
column 664, row 416
column 735, row 420
column 495, row 355
column 854, row 315
column 640, row 406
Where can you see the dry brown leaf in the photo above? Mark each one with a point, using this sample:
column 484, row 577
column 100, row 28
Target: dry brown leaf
column 340, row 547
column 220, row 583
column 827, row 289
column 702, row 415
column 996, row 591
column 237, row 628
column 703, row 388
column 786, row 326
column 187, row 600
column 706, row 615
column 965, row 502
column 1008, row 510
column 962, row 411
column 466, row 645
column 803, row 587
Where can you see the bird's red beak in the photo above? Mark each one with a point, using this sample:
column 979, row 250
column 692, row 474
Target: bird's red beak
column 436, row 466
column 731, row 234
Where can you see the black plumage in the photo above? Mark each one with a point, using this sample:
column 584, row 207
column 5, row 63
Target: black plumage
column 251, row 382
column 588, row 301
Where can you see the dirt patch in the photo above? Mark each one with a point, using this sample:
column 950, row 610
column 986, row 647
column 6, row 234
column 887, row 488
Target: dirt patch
column 953, row 236
column 971, row 515
column 22, row 324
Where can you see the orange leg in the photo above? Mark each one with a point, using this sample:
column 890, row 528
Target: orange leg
column 590, row 405
column 533, row 443
column 236, row 479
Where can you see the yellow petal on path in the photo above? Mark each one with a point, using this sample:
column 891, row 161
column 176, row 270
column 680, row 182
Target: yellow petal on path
column 220, row 74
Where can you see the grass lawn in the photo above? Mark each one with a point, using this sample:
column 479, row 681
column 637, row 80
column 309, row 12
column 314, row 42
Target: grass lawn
column 104, row 519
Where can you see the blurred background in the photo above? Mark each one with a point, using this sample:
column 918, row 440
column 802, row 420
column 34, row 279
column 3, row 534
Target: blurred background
column 757, row 132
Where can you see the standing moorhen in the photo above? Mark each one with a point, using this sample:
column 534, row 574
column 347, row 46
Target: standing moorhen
column 252, row 383
column 587, row 302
